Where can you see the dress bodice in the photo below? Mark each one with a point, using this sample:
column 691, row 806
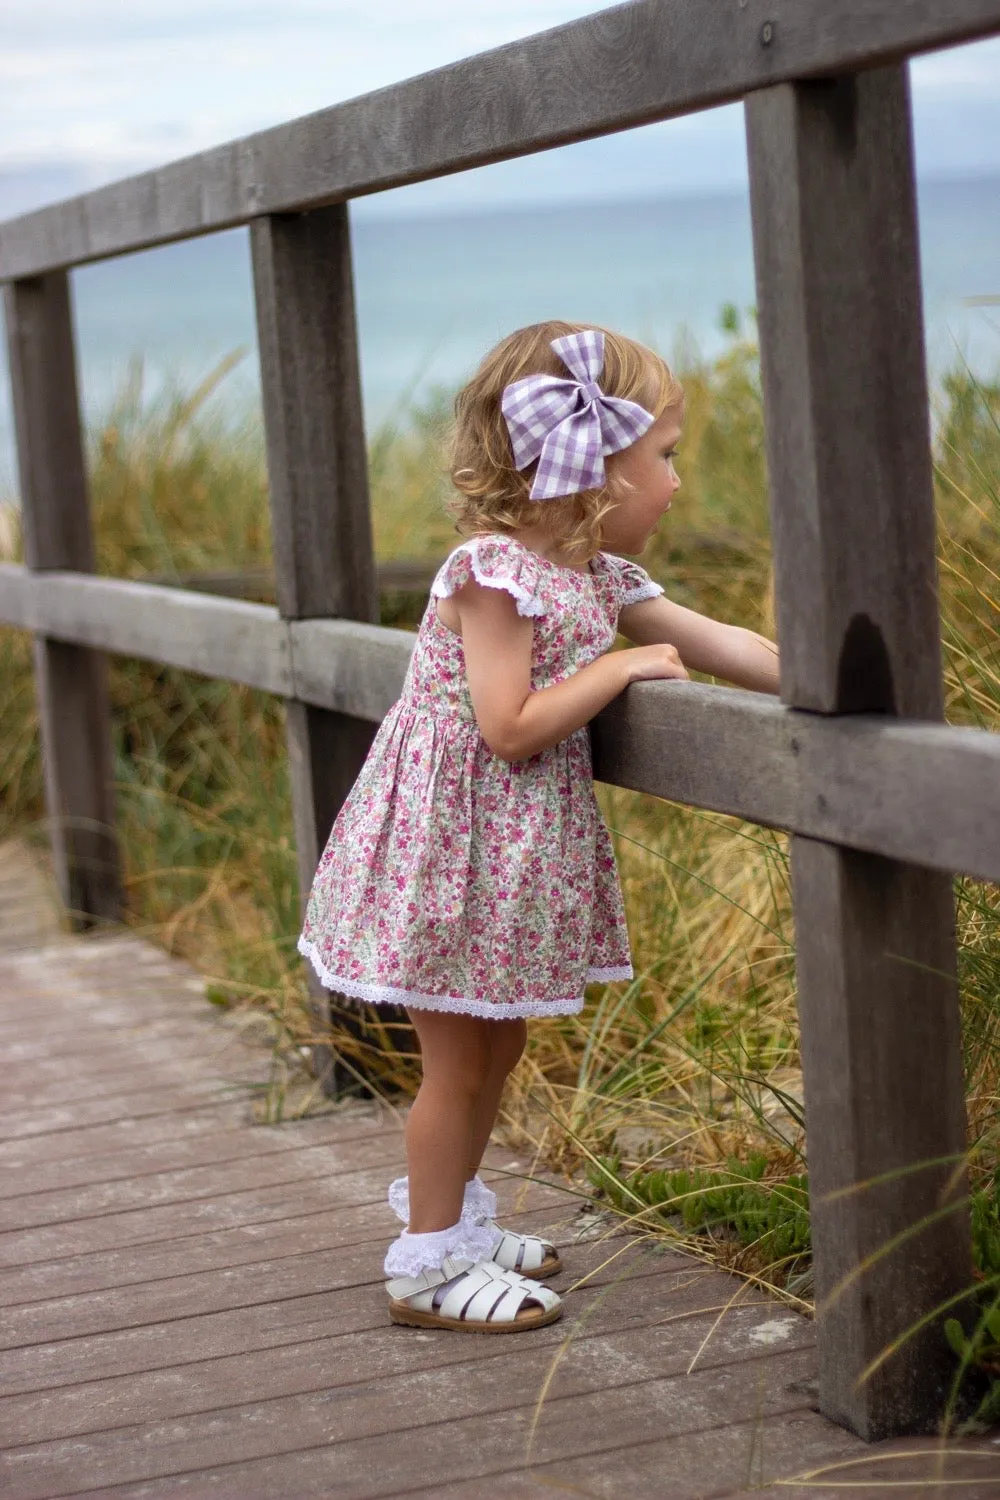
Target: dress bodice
column 575, row 616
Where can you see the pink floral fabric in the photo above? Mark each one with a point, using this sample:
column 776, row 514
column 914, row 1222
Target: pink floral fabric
column 452, row 879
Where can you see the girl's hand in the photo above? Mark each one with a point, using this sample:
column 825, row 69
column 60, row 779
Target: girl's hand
column 645, row 663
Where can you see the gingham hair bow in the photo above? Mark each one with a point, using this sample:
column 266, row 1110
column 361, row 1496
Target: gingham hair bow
column 569, row 425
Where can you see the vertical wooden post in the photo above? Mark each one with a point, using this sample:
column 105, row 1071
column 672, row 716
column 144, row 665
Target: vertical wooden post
column 72, row 683
column 839, row 298
column 320, row 515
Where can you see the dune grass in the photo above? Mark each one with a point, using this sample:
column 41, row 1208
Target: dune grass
column 679, row 1095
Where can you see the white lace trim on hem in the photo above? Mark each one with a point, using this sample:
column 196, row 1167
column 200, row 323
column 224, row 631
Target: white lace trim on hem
column 527, row 604
column 641, row 591
column 387, row 994
column 412, row 1253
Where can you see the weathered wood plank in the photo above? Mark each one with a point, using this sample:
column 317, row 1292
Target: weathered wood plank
column 224, row 1143
column 320, row 514
column 475, row 1442
column 170, row 1099
column 189, row 1185
column 311, row 387
column 397, row 575
column 71, row 682
column 842, row 350
column 295, row 1233
column 262, row 1324
column 838, row 287
column 53, row 480
column 196, row 1123
column 352, row 668
column 333, row 1358
column 763, row 1455
column 261, row 1430
column 220, row 1340
column 854, row 781
column 885, row 1105
column 178, row 1220
column 921, row 792
column 224, row 638
column 625, row 66
column 194, row 1293
column 177, row 1058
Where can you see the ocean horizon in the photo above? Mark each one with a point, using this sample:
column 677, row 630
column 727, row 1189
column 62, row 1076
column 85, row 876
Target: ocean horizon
column 435, row 291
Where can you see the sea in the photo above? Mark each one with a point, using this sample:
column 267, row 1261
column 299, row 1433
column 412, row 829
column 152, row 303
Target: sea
column 435, row 292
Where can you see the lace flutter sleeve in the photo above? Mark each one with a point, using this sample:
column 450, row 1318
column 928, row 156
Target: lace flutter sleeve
column 634, row 583
column 497, row 562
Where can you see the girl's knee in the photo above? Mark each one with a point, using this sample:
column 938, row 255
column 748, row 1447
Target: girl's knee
column 454, row 1050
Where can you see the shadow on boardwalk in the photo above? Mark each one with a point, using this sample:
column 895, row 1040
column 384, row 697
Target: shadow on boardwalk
column 193, row 1303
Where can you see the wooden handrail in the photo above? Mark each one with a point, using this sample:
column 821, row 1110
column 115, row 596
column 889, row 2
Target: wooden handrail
column 630, row 65
column 907, row 790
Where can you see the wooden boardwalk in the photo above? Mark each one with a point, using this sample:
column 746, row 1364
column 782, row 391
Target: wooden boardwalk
column 192, row 1302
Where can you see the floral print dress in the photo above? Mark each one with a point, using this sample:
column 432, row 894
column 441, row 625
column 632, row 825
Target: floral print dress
column 452, row 879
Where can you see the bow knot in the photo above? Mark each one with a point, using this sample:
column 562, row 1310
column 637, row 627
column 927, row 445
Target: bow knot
column 569, row 425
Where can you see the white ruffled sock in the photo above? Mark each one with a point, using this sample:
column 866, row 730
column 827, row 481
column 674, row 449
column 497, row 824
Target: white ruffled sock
column 479, row 1202
column 412, row 1253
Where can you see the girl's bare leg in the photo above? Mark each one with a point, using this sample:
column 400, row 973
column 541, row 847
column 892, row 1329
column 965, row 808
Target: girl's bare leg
column 455, row 1052
column 506, row 1041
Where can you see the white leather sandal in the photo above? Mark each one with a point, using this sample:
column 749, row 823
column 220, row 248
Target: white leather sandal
column 524, row 1253
column 472, row 1297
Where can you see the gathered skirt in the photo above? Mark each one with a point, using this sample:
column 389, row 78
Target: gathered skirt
column 455, row 880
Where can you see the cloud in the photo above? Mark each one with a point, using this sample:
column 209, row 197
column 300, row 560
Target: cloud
column 106, row 89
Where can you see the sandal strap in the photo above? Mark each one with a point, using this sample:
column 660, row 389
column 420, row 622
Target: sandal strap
column 482, row 1292
column 429, row 1279
column 521, row 1252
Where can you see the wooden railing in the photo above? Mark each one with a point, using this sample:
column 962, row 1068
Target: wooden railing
column 884, row 800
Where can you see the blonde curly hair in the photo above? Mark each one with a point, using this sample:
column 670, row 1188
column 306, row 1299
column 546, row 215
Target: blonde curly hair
column 492, row 495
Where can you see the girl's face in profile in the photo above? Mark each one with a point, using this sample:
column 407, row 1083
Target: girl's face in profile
column 649, row 483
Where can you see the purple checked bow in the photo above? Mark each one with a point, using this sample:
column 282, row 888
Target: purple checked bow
column 569, row 425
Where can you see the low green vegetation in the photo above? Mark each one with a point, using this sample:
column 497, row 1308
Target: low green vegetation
column 680, row 1094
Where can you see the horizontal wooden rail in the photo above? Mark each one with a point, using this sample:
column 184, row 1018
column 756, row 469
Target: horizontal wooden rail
column 225, row 638
column 911, row 791
column 626, row 66
column 250, row 583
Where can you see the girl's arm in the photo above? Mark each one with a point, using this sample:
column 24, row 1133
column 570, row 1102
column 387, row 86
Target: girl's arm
column 742, row 657
column 515, row 721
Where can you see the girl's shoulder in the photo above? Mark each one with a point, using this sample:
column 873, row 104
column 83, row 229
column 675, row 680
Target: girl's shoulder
column 500, row 562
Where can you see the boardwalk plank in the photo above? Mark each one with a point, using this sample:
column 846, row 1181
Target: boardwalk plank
column 170, row 1099
column 221, row 1143
column 196, row 1120
column 193, row 1057
column 257, row 1325
column 178, row 1220
column 738, row 1461
column 192, row 1184
column 241, row 1244
column 698, row 1317
column 591, row 1423
column 299, row 1272
column 440, row 1428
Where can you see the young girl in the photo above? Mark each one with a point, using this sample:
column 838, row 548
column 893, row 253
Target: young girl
column 469, row 876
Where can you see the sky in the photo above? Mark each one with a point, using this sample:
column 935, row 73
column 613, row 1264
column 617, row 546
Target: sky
column 92, row 90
